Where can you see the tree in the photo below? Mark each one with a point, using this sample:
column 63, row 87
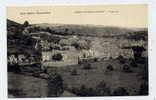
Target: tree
column 66, row 30
column 48, row 29
column 133, row 64
column 126, row 68
column 74, row 72
column 110, row 67
column 57, row 57
column 26, row 24
column 120, row 91
column 121, row 59
column 81, row 44
column 102, row 89
column 137, row 51
column 55, row 85
column 83, row 91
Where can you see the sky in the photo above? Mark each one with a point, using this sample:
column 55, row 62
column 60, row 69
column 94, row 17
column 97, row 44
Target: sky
column 131, row 16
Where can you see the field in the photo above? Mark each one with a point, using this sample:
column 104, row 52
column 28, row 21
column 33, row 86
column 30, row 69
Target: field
column 114, row 79
column 89, row 77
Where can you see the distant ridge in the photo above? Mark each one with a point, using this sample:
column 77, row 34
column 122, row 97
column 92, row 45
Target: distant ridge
column 92, row 30
column 86, row 30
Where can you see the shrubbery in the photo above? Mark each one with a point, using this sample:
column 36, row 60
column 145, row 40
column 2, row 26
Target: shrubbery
column 102, row 89
column 83, row 91
column 55, row 85
column 26, row 24
column 110, row 68
column 120, row 91
column 95, row 59
column 74, row 72
column 57, row 57
column 126, row 68
column 121, row 59
column 134, row 64
column 81, row 44
column 14, row 68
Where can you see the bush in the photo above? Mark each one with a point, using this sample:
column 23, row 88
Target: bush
column 75, row 91
column 65, row 86
column 26, row 24
column 126, row 68
column 133, row 64
column 55, row 85
column 57, row 57
column 16, row 68
column 121, row 59
column 95, row 59
column 120, row 91
column 83, row 91
column 110, row 68
column 87, row 66
column 74, row 72
column 102, row 89
column 81, row 44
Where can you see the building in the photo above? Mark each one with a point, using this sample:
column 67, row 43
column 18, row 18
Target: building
column 68, row 58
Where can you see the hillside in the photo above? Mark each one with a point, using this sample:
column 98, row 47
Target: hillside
column 73, row 29
column 16, row 41
column 12, row 23
column 13, row 27
column 85, row 30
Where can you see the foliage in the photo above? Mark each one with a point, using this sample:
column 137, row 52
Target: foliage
column 57, row 57
column 74, row 72
column 95, row 59
column 102, row 89
column 83, row 91
column 121, row 59
column 137, row 51
column 14, row 68
column 55, row 85
column 140, row 35
column 120, row 91
column 110, row 67
column 134, row 64
column 126, row 68
column 26, row 24
column 81, row 44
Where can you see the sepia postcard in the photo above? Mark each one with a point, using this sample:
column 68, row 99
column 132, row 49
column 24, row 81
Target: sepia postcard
column 77, row 51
